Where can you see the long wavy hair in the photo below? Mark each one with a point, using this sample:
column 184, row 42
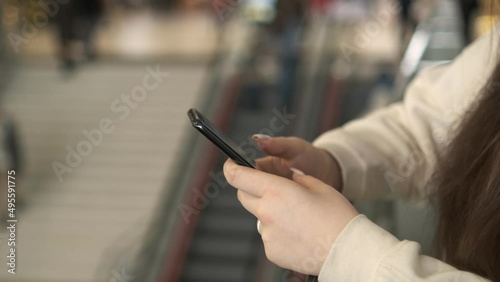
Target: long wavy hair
column 467, row 183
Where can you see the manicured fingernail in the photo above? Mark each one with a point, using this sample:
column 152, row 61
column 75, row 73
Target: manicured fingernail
column 261, row 140
column 296, row 171
column 261, row 137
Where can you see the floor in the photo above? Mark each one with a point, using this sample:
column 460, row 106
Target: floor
column 69, row 228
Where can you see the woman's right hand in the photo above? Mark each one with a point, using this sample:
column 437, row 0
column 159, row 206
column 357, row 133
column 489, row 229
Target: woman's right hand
column 292, row 152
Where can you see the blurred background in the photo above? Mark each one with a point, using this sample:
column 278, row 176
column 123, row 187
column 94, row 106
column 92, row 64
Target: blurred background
column 113, row 184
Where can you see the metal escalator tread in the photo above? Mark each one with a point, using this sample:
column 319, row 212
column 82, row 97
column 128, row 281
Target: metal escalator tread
column 228, row 223
column 224, row 242
column 227, row 199
column 221, row 249
column 208, row 271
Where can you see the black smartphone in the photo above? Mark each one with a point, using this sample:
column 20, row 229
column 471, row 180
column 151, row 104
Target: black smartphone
column 226, row 145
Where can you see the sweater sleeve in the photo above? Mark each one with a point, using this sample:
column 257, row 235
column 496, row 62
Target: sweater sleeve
column 394, row 150
column 365, row 252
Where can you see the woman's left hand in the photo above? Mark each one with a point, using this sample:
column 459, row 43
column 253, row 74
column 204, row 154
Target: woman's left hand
column 300, row 219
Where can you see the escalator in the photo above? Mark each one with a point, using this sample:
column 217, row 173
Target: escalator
column 218, row 239
column 225, row 247
column 202, row 233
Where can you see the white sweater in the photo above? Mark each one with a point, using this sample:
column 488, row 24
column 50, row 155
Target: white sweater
column 393, row 151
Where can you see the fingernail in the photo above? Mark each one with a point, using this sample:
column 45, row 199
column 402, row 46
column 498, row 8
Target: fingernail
column 261, row 140
column 261, row 137
column 296, row 171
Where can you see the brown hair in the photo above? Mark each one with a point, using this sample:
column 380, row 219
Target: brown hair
column 467, row 183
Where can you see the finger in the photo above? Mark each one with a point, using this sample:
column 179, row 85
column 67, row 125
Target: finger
column 307, row 181
column 274, row 165
column 252, row 181
column 248, row 201
column 283, row 147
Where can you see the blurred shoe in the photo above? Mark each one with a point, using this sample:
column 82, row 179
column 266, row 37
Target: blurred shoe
column 68, row 68
column 91, row 56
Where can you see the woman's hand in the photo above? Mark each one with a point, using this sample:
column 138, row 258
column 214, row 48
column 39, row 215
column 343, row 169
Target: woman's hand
column 287, row 152
column 300, row 218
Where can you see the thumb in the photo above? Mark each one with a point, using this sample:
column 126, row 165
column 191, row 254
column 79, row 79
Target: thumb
column 283, row 147
column 307, row 181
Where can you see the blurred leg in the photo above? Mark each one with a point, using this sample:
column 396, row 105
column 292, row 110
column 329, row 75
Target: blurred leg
column 90, row 25
column 467, row 8
column 67, row 26
column 408, row 24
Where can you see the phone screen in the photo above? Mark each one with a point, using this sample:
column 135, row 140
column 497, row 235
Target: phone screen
column 226, row 145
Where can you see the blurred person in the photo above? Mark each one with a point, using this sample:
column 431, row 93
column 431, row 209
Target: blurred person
column 441, row 143
column 408, row 22
column 279, row 25
column 77, row 21
column 467, row 9
column 406, row 10
column 320, row 5
column 287, row 26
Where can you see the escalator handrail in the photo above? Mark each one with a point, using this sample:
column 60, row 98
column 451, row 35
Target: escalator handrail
column 150, row 263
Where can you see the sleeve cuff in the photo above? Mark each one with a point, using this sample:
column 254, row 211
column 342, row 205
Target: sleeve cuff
column 357, row 252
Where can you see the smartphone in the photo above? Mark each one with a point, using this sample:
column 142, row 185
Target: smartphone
column 226, row 145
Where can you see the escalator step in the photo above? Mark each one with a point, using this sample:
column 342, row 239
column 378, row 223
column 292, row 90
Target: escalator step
column 227, row 199
column 215, row 247
column 227, row 223
column 207, row 271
